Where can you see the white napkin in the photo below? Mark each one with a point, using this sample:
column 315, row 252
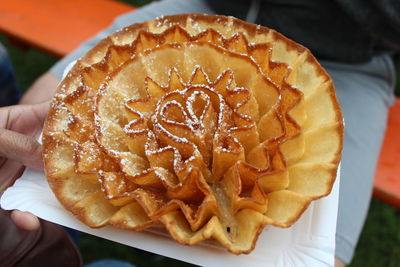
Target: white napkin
column 309, row 242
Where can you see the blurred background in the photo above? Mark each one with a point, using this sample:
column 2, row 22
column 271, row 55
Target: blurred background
column 380, row 240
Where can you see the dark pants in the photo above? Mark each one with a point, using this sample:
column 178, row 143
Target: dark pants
column 9, row 89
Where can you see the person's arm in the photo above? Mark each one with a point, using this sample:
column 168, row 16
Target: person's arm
column 41, row 90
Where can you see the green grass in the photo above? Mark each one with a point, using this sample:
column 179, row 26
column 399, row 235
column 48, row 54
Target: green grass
column 397, row 65
column 137, row 3
column 28, row 63
column 379, row 244
column 94, row 248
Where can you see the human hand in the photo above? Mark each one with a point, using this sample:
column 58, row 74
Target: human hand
column 20, row 126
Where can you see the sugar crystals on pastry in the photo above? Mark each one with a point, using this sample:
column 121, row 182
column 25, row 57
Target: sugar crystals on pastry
column 206, row 126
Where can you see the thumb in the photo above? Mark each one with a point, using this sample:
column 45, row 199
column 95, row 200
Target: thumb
column 25, row 220
column 21, row 148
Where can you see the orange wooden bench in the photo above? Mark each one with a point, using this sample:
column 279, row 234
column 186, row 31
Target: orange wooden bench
column 57, row 27
column 387, row 177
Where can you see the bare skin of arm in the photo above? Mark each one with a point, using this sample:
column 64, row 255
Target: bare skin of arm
column 42, row 89
column 339, row 263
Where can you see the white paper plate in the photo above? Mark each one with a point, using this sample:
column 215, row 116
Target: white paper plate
column 310, row 242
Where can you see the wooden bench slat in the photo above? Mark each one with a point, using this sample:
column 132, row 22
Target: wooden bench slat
column 57, row 27
column 387, row 178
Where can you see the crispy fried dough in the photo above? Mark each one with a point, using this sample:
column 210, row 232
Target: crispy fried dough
column 206, row 125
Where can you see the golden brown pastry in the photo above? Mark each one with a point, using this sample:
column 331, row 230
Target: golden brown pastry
column 207, row 126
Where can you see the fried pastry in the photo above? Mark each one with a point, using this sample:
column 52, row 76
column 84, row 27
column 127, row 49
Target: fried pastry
column 206, row 126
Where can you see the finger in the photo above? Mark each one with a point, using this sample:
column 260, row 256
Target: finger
column 25, row 220
column 21, row 148
column 25, row 119
column 41, row 110
column 9, row 172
